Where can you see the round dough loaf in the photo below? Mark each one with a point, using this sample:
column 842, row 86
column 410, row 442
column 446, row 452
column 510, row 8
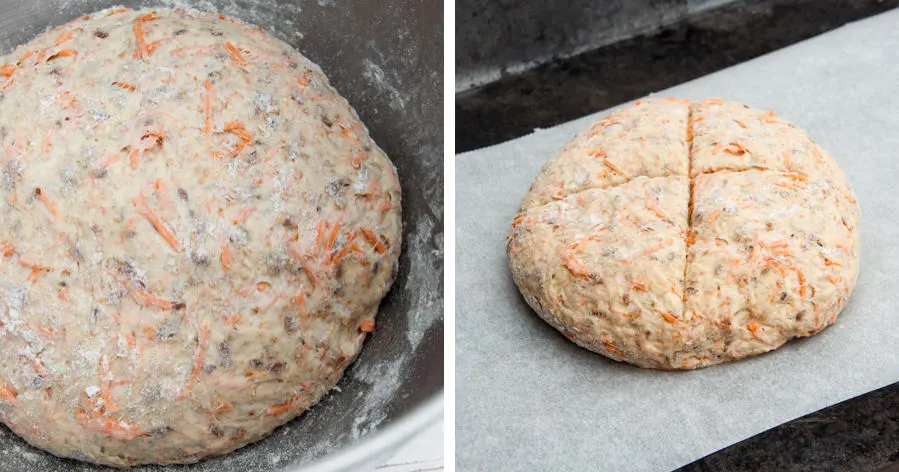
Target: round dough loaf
column 196, row 233
column 677, row 235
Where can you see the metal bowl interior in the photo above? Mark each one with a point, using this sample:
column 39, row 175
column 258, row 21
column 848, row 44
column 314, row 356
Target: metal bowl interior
column 386, row 59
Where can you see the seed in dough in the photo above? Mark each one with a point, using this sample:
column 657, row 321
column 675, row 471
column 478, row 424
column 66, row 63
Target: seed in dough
column 195, row 233
column 677, row 235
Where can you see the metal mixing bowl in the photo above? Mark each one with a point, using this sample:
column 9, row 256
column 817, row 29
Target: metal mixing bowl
column 386, row 59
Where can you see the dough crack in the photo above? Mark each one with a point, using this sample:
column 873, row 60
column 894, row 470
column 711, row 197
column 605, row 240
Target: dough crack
column 562, row 194
column 538, row 206
column 688, row 236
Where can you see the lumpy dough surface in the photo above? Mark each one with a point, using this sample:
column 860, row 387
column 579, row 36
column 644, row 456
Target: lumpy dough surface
column 195, row 233
column 677, row 235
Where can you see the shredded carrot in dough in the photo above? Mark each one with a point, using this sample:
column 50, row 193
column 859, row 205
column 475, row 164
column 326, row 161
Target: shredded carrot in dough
column 161, row 226
column 124, row 85
column 143, row 49
column 63, row 37
column 199, row 357
column 62, row 53
column 614, row 168
column 51, row 205
column 207, row 107
column 10, row 395
column 374, row 240
column 226, row 257
column 236, row 55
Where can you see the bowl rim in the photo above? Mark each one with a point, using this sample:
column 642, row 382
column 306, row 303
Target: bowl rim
column 382, row 441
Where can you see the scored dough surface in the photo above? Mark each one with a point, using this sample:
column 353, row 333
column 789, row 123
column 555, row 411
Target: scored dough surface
column 748, row 243
column 195, row 233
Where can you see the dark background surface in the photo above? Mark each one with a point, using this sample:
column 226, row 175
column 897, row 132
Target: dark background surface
column 492, row 35
column 697, row 45
column 860, row 434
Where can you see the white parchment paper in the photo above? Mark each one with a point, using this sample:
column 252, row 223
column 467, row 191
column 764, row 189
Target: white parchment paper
column 528, row 399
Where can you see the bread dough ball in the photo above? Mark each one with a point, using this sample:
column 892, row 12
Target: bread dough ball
column 195, row 233
column 677, row 235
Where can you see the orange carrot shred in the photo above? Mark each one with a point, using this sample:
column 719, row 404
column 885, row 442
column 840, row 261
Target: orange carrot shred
column 7, row 70
column 333, row 236
column 374, row 240
column 313, row 275
column 736, row 149
column 112, row 427
column 236, row 55
column 348, row 246
column 669, row 318
column 367, row 326
column 827, row 261
column 10, row 395
column 161, row 226
column 54, row 209
column 282, row 408
column 124, row 85
column 803, row 286
column 106, row 382
column 612, row 349
column 143, row 50
column 220, row 407
column 575, row 266
column 226, row 257
column 289, row 404
column 63, row 37
column 359, row 159
column 6, row 250
column 149, row 141
column 638, row 286
column 199, row 356
column 34, row 52
column 614, row 168
column 207, row 107
column 62, row 53
column 32, row 264
column 645, row 252
column 232, row 320
column 320, row 229
column 237, row 128
column 139, row 36
column 147, row 299
column 655, row 209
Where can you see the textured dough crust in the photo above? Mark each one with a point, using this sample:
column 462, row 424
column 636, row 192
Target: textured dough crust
column 195, row 233
column 648, row 139
column 757, row 246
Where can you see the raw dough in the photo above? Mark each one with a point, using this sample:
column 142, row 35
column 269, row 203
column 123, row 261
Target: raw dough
column 676, row 235
column 195, row 233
